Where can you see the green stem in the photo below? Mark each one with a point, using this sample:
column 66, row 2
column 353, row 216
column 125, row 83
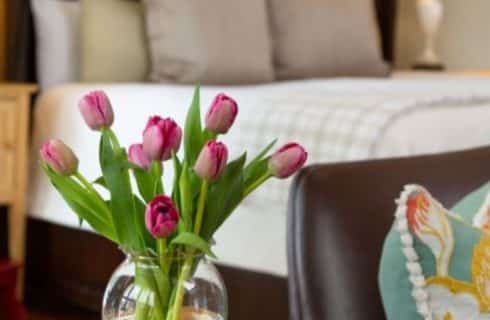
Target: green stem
column 256, row 184
column 112, row 136
column 162, row 251
column 186, row 268
column 179, row 294
column 157, row 168
column 156, row 171
column 200, row 207
column 146, row 278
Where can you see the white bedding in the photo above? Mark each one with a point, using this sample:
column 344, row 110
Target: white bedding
column 455, row 117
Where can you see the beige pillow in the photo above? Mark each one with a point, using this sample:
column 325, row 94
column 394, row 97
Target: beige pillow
column 209, row 41
column 114, row 46
column 325, row 38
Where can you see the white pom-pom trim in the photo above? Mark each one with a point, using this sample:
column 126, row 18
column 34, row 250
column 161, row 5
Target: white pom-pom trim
column 416, row 277
column 410, row 254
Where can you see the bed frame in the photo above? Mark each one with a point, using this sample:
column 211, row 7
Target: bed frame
column 61, row 262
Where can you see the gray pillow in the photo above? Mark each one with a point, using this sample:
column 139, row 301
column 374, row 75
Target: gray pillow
column 114, row 47
column 57, row 41
column 325, row 38
column 209, row 41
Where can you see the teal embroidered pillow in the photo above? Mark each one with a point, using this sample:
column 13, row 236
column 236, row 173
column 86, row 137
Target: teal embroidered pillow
column 436, row 263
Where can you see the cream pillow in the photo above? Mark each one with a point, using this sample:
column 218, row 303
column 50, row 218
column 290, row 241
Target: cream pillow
column 326, row 38
column 210, row 42
column 114, row 46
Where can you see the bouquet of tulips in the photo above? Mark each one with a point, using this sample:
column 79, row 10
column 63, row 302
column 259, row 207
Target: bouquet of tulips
column 157, row 222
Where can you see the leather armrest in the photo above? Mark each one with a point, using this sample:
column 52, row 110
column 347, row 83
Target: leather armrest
column 339, row 215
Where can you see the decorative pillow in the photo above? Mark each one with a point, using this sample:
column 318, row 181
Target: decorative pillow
column 114, row 46
column 211, row 42
column 57, row 40
column 326, row 38
column 435, row 263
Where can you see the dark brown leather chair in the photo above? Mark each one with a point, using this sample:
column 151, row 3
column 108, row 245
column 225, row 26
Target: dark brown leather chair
column 339, row 216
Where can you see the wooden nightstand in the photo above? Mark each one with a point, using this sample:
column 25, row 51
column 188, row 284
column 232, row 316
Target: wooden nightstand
column 14, row 128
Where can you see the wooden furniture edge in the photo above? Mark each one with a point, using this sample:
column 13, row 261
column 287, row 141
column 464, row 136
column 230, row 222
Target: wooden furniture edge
column 17, row 215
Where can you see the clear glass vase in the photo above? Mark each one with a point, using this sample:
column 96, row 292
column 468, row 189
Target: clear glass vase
column 186, row 288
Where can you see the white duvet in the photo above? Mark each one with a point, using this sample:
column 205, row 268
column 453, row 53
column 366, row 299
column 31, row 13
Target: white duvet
column 337, row 120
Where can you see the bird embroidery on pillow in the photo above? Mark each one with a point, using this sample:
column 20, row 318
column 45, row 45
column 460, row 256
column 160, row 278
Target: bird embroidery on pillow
column 443, row 296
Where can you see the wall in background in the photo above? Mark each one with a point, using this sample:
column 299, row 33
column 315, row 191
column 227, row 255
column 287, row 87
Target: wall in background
column 464, row 38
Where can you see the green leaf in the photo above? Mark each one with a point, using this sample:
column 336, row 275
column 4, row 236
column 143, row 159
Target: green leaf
column 192, row 240
column 84, row 204
column 144, row 181
column 147, row 238
column 256, row 172
column 186, row 197
column 263, row 153
column 223, row 197
column 116, row 175
column 193, row 134
column 100, row 181
column 149, row 181
column 258, row 166
column 129, row 165
column 175, row 187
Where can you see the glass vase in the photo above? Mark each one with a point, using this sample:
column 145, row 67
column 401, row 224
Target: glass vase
column 186, row 288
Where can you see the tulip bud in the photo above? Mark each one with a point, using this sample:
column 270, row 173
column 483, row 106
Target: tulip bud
column 160, row 138
column 287, row 160
column 59, row 157
column 96, row 110
column 137, row 156
column 221, row 114
column 211, row 161
column 161, row 217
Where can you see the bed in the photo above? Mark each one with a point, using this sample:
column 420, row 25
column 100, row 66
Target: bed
column 337, row 119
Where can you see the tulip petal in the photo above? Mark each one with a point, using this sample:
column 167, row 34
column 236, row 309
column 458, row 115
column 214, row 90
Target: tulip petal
column 161, row 217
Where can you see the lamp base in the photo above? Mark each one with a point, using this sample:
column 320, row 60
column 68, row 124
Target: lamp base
column 429, row 67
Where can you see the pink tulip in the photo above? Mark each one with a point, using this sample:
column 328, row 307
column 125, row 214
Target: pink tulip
column 211, row 161
column 221, row 114
column 59, row 157
column 96, row 110
column 161, row 217
column 287, row 160
column 160, row 138
column 137, row 156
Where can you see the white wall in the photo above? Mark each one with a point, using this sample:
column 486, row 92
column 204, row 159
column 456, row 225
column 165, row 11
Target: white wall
column 464, row 38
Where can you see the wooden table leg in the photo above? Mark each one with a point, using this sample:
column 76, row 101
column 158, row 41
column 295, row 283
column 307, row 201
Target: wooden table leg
column 17, row 227
column 17, row 211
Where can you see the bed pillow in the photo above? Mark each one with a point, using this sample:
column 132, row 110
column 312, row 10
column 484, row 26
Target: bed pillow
column 210, row 42
column 114, row 46
column 57, row 32
column 326, row 38
column 435, row 263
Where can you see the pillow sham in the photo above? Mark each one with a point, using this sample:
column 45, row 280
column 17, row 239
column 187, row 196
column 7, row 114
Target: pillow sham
column 114, row 46
column 326, row 38
column 210, row 42
column 57, row 32
column 435, row 262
